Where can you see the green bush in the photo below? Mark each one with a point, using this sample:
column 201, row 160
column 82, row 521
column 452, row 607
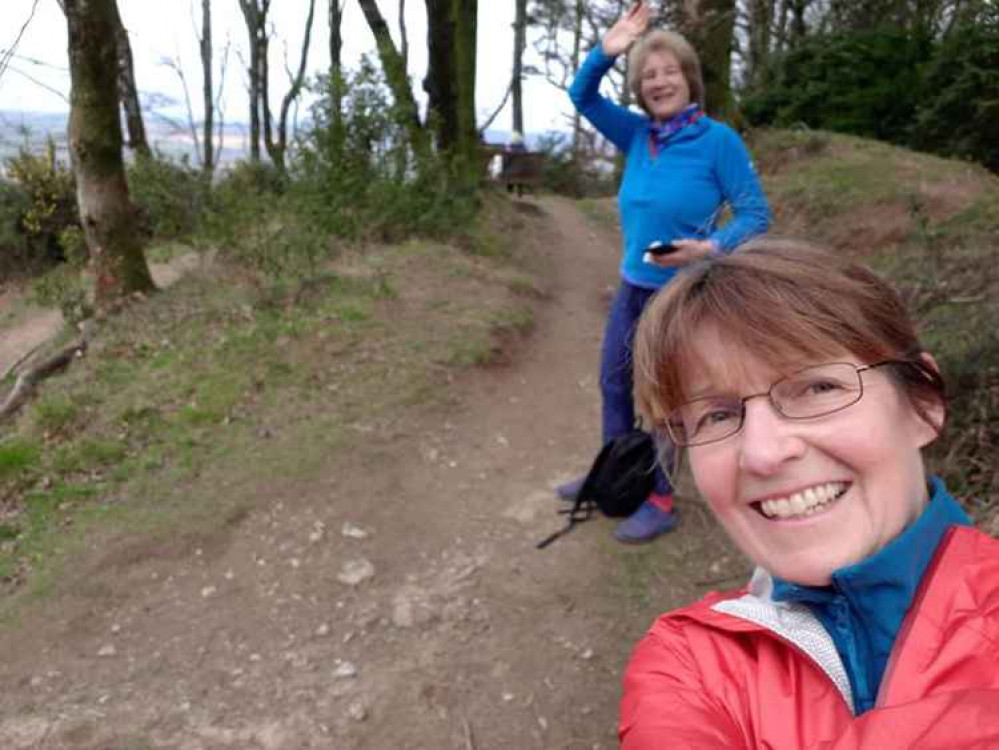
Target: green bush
column 171, row 196
column 357, row 177
column 865, row 83
column 960, row 101
column 64, row 288
column 48, row 206
column 14, row 203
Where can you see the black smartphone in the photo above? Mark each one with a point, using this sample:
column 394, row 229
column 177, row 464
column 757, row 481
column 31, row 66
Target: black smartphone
column 661, row 248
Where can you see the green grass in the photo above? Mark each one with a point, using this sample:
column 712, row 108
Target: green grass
column 18, row 456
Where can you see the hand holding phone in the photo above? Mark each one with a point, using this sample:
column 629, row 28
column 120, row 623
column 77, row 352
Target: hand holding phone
column 658, row 249
column 661, row 248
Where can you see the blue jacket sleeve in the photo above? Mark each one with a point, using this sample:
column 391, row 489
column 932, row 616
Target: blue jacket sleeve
column 742, row 190
column 616, row 123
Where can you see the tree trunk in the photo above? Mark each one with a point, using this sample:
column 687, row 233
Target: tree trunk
column 208, row 88
column 395, row 76
column 440, row 83
column 519, row 42
column 95, row 142
column 403, row 35
column 255, row 17
column 710, row 24
column 336, row 68
column 450, row 81
column 466, row 23
column 798, row 27
column 577, row 49
column 277, row 149
column 761, row 17
column 137, row 140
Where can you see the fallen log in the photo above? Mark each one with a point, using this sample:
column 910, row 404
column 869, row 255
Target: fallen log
column 27, row 381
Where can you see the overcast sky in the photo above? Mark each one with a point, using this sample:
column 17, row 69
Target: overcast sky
column 159, row 29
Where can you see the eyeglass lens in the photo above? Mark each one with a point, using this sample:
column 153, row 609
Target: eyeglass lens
column 812, row 392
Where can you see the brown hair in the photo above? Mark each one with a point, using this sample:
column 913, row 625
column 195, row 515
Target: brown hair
column 674, row 43
column 788, row 303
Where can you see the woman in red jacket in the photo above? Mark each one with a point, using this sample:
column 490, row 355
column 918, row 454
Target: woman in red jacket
column 795, row 386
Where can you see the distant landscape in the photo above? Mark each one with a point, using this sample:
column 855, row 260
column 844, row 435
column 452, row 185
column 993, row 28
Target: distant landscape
column 31, row 130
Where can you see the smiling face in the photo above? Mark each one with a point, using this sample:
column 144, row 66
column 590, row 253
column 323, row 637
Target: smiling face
column 804, row 497
column 663, row 89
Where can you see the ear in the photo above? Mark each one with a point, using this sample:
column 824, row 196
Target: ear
column 935, row 414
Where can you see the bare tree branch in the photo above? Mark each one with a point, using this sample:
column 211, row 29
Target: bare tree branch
column 9, row 52
column 177, row 67
column 35, row 81
column 493, row 116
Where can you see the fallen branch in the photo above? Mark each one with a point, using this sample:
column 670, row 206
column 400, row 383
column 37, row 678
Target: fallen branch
column 13, row 368
column 27, row 380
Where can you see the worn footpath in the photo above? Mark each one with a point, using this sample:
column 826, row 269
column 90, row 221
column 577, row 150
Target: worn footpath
column 397, row 601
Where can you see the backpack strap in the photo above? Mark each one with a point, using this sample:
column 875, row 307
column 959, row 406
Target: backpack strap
column 581, row 510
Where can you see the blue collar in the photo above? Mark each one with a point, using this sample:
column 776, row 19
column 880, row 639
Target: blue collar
column 877, row 593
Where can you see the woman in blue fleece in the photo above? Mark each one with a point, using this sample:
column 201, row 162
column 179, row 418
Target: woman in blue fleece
column 681, row 169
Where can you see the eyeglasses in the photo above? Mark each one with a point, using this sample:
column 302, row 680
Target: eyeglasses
column 806, row 394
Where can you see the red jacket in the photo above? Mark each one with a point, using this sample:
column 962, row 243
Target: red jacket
column 705, row 679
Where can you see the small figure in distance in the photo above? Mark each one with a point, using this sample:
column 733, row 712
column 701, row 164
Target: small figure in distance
column 682, row 168
column 872, row 618
column 514, row 146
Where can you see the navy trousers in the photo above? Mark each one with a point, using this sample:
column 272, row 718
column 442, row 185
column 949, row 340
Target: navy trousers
column 616, row 380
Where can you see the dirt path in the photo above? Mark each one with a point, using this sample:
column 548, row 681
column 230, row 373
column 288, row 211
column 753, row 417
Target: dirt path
column 459, row 634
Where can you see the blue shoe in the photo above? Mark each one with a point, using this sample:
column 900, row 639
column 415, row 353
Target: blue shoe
column 645, row 524
column 570, row 490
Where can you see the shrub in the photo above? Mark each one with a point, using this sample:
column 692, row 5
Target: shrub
column 960, row 103
column 171, row 196
column 14, row 203
column 357, row 177
column 64, row 288
column 865, row 83
column 49, row 203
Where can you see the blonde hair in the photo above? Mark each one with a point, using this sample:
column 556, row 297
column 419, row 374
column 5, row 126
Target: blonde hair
column 675, row 44
column 789, row 304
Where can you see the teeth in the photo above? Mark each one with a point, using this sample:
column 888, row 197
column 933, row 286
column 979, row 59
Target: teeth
column 803, row 504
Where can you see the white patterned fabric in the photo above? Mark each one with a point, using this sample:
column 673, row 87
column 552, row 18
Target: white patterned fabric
column 792, row 621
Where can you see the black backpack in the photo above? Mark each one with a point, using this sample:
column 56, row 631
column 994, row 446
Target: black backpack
column 621, row 478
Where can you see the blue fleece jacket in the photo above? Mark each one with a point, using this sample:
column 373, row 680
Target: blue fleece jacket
column 864, row 607
column 678, row 193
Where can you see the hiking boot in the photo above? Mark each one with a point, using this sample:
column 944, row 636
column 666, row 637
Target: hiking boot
column 570, row 490
column 645, row 524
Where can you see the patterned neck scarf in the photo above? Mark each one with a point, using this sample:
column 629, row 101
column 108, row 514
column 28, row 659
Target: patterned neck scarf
column 660, row 134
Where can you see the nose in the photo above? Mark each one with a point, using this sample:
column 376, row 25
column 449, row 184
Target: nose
column 768, row 441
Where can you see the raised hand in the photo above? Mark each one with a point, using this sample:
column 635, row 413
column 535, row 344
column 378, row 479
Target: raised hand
column 628, row 28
